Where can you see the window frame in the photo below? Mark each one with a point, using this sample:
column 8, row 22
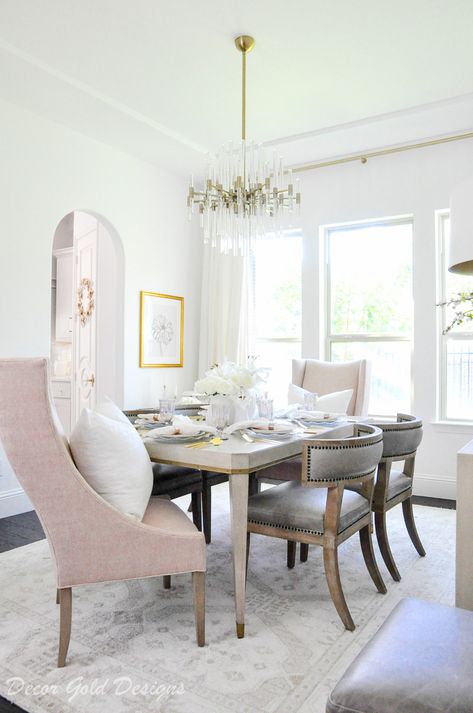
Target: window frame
column 328, row 337
column 444, row 339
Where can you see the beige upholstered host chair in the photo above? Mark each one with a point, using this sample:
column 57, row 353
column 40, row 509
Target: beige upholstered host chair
column 90, row 541
column 325, row 377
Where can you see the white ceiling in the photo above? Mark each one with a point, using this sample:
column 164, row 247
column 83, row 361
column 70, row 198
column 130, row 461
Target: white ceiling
column 161, row 79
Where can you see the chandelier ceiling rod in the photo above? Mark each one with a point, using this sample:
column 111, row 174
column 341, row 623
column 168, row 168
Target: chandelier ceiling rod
column 244, row 43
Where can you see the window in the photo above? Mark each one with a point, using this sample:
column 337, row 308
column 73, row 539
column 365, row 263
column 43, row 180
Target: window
column 369, row 311
column 456, row 346
column 278, row 307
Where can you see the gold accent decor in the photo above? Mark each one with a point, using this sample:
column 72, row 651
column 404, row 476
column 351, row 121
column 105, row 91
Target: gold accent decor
column 161, row 330
column 244, row 195
column 383, row 152
column 85, row 312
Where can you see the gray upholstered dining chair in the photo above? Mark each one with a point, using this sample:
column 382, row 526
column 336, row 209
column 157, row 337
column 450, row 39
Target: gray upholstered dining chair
column 320, row 510
column 323, row 377
column 90, row 541
column 400, row 442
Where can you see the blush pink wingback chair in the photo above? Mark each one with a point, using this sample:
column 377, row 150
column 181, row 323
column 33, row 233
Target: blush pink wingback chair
column 90, row 541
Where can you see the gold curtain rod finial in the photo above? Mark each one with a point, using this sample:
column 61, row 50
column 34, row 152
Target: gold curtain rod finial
column 244, row 43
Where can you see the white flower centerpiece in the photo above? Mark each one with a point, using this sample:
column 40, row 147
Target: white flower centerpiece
column 237, row 384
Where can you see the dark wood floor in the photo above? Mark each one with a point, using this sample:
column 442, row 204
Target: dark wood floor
column 23, row 529
column 19, row 530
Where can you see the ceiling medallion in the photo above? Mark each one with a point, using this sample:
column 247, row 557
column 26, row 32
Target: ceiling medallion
column 244, row 196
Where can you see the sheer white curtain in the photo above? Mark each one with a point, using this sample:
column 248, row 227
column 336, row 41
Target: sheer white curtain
column 225, row 322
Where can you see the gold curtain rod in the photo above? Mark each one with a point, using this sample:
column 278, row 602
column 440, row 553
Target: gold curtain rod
column 382, row 152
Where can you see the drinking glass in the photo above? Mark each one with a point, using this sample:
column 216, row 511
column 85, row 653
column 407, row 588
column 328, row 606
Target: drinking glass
column 167, row 408
column 265, row 408
column 220, row 416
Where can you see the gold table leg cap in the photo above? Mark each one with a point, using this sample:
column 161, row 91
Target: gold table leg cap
column 240, row 630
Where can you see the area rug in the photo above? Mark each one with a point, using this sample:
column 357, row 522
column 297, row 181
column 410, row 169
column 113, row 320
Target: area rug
column 133, row 649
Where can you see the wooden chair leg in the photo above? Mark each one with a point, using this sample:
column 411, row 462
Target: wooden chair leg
column 304, row 552
column 207, row 513
column 57, row 596
column 65, row 619
column 247, row 551
column 411, row 526
column 370, row 561
column 383, row 542
column 253, row 486
column 335, row 586
column 291, row 554
column 196, row 503
column 198, row 583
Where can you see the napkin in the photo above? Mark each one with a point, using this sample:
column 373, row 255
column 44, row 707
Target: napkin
column 318, row 415
column 184, row 425
column 143, row 419
column 297, row 411
column 255, row 422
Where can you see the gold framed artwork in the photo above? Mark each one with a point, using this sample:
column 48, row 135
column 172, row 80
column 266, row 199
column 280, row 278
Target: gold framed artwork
column 161, row 330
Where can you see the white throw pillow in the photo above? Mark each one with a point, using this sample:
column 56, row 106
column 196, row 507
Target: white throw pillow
column 112, row 458
column 336, row 402
column 108, row 408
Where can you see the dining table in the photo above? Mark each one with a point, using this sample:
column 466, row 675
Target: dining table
column 240, row 460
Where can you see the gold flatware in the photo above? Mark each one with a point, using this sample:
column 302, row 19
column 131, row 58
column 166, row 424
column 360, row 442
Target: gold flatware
column 213, row 442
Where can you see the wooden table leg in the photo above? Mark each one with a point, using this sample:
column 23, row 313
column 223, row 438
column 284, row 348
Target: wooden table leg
column 239, row 516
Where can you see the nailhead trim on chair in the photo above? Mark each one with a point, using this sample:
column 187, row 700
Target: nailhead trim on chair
column 344, row 448
column 287, row 527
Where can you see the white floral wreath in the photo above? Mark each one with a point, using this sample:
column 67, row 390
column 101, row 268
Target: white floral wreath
column 85, row 312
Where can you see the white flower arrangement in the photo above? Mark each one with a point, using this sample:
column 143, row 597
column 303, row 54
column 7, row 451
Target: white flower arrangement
column 230, row 379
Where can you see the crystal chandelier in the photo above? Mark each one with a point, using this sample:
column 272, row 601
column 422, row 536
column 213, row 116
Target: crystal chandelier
column 245, row 195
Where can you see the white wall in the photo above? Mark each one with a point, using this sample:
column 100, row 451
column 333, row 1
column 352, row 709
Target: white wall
column 47, row 171
column 417, row 183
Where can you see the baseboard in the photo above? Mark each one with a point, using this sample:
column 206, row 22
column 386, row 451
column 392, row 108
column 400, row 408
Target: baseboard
column 14, row 502
column 435, row 486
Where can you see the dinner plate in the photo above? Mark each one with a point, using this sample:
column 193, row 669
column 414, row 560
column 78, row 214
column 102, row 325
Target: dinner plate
column 326, row 418
column 180, row 437
column 148, row 425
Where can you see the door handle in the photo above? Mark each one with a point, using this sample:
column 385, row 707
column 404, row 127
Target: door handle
column 91, row 380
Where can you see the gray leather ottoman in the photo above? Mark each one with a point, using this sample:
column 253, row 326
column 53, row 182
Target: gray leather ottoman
column 420, row 661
